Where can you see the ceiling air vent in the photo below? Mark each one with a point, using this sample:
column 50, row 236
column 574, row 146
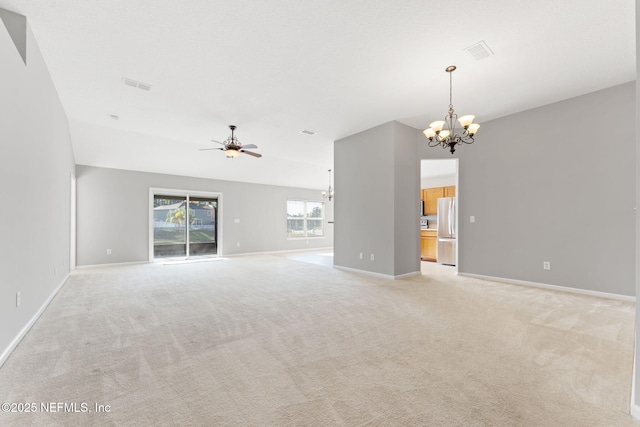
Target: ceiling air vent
column 479, row 50
column 307, row 132
column 133, row 83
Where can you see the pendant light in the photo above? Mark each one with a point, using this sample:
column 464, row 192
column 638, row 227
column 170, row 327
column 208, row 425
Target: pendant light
column 443, row 132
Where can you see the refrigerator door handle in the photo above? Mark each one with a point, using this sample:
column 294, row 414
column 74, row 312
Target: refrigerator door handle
column 449, row 216
column 453, row 217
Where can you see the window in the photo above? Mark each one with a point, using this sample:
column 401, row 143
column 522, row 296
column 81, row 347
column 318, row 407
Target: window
column 305, row 219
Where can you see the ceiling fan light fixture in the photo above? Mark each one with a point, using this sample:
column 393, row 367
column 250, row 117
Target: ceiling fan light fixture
column 232, row 147
column 231, row 153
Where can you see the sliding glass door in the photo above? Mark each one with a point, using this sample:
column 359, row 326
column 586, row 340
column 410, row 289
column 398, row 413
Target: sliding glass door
column 169, row 226
column 202, row 231
column 184, row 226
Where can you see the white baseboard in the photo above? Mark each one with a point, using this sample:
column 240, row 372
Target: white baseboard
column 114, row 264
column 279, row 252
column 406, row 275
column 7, row 351
column 380, row 275
column 553, row 287
column 635, row 411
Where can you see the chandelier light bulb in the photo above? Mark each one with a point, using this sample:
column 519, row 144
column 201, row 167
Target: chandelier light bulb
column 437, row 126
column 444, row 134
column 473, row 128
column 429, row 133
column 465, row 121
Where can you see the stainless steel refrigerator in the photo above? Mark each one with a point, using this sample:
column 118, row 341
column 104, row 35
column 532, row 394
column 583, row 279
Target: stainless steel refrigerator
column 447, row 229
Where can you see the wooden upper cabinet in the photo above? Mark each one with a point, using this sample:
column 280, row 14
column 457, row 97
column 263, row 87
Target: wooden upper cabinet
column 450, row 191
column 431, row 196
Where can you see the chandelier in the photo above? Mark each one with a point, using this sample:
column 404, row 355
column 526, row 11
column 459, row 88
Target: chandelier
column 329, row 193
column 443, row 132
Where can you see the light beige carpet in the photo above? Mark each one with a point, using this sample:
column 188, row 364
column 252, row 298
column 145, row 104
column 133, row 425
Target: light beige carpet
column 267, row 340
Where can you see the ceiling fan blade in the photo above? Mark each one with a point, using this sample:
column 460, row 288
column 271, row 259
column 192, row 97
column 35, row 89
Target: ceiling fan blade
column 251, row 153
column 250, row 146
column 213, row 140
column 207, row 149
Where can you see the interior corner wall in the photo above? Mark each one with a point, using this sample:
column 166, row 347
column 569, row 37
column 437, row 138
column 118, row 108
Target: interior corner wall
column 406, row 193
column 16, row 26
column 376, row 178
column 36, row 165
column 113, row 213
column 544, row 186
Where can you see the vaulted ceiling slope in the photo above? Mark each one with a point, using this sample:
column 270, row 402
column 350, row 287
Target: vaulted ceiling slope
column 336, row 67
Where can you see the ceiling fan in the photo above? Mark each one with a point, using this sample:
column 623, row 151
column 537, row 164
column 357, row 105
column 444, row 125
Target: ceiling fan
column 232, row 147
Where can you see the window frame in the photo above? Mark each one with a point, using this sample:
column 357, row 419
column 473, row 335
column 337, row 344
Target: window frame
column 305, row 218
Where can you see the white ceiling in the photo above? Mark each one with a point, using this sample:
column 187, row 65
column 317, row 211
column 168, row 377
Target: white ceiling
column 438, row 168
column 337, row 67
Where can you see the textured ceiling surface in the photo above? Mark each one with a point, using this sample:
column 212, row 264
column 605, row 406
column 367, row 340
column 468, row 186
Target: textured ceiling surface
column 336, row 67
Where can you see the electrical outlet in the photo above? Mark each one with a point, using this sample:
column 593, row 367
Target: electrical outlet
column 546, row 265
column 472, row 218
column 373, row 257
column 108, row 251
column 17, row 299
column 238, row 244
column 360, row 255
column 236, row 221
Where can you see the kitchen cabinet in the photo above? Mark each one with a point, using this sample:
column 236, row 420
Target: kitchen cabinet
column 450, row 191
column 430, row 197
column 428, row 245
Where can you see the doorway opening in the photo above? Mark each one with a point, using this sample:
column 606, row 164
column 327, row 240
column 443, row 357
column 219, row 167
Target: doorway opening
column 439, row 237
column 183, row 225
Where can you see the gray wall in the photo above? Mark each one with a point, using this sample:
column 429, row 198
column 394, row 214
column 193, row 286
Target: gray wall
column 406, row 180
column 635, row 408
column 113, row 213
column 555, row 183
column 36, row 165
column 376, row 178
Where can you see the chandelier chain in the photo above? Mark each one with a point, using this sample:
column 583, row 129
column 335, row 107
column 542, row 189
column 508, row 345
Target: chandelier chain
column 450, row 91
